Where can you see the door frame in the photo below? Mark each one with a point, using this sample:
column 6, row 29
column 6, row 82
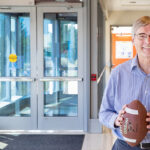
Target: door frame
column 32, row 123
column 24, row 123
column 60, row 123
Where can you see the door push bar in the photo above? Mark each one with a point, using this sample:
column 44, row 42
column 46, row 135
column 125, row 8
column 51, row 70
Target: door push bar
column 61, row 79
column 28, row 79
column 24, row 79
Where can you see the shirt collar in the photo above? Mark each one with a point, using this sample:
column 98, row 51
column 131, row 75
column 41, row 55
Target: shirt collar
column 134, row 63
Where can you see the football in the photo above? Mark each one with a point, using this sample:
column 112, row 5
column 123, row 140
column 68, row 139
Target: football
column 134, row 124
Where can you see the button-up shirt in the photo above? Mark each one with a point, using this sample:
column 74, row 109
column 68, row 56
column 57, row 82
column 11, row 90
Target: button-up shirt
column 127, row 83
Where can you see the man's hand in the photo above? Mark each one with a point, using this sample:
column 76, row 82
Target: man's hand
column 119, row 119
column 148, row 121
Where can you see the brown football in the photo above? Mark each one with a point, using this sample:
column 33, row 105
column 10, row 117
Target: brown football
column 134, row 123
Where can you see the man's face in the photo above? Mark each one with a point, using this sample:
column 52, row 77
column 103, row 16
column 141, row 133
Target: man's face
column 141, row 41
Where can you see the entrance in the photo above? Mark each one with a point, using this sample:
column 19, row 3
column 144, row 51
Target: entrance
column 41, row 69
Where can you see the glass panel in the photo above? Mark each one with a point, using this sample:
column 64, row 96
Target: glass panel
column 61, row 98
column 14, row 62
column 15, row 99
column 14, row 45
column 60, row 44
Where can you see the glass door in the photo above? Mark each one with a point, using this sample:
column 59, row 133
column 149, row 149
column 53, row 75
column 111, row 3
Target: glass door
column 60, row 69
column 41, row 87
column 17, row 71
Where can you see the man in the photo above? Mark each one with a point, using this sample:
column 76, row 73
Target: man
column 129, row 81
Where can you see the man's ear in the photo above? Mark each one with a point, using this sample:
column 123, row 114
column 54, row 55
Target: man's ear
column 133, row 40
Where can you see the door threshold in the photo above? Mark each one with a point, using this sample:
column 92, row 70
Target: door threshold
column 67, row 132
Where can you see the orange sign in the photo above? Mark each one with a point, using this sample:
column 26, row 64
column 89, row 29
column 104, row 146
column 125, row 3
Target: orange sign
column 122, row 48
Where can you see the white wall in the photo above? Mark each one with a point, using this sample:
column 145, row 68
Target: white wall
column 96, row 65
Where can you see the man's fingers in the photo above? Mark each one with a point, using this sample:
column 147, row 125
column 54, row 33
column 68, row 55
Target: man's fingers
column 119, row 119
column 148, row 114
column 148, row 119
column 122, row 111
column 148, row 126
column 124, row 106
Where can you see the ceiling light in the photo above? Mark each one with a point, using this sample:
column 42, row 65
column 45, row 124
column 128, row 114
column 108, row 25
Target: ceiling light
column 135, row 2
column 132, row 2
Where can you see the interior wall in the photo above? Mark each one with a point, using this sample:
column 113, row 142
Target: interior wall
column 97, row 56
column 118, row 18
column 87, row 34
column 97, row 63
column 94, row 60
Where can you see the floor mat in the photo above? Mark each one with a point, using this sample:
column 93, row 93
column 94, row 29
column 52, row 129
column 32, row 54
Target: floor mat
column 41, row 142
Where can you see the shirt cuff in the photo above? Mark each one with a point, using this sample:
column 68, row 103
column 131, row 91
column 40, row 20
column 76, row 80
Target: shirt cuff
column 112, row 121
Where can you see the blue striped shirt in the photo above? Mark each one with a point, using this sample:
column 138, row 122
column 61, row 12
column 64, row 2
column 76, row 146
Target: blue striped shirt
column 127, row 83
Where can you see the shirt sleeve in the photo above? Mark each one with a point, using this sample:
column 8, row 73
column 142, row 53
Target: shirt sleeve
column 107, row 113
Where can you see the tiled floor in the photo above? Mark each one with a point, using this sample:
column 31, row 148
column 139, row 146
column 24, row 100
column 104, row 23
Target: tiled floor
column 98, row 141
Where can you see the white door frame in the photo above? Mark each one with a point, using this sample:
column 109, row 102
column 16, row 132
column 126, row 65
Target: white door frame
column 59, row 123
column 37, row 121
column 24, row 123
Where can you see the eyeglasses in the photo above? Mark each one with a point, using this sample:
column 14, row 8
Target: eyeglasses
column 142, row 36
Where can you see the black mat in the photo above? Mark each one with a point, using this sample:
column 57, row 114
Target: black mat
column 42, row 142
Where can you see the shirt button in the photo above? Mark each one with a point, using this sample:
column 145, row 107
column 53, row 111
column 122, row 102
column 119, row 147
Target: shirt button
column 145, row 92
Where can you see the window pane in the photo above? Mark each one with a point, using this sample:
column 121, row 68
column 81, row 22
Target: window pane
column 15, row 45
column 15, row 99
column 60, row 44
column 61, row 98
column 14, row 62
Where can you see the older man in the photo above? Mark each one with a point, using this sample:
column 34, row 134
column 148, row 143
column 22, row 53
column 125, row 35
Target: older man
column 129, row 81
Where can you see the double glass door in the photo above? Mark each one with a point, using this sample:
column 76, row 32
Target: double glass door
column 41, row 69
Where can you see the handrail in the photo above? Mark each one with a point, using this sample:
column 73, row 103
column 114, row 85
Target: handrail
column 101, row 74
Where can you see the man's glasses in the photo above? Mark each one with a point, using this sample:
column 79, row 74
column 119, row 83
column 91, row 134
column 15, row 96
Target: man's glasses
column 142, row 36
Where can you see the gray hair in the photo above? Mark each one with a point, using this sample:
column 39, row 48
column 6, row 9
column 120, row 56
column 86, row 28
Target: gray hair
column 141, row 22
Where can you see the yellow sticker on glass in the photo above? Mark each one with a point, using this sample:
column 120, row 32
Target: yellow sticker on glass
column 12, row 57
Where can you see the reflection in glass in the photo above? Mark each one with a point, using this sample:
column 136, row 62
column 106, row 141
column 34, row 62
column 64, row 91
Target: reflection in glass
column 60, row 44
column 14, row 39
column 15, row 99
column 61, row 98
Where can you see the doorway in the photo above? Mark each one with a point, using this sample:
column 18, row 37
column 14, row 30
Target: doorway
column 41, row 69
